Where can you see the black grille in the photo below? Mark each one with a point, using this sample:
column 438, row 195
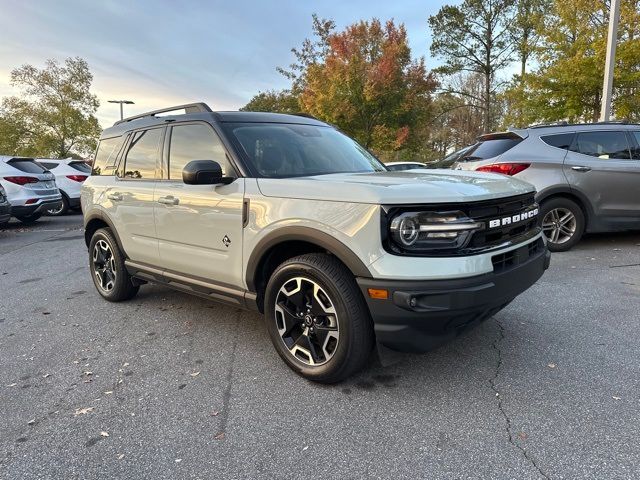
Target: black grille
column 513, row 258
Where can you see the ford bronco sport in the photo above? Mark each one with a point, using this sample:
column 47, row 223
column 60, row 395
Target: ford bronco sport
column 285, row 215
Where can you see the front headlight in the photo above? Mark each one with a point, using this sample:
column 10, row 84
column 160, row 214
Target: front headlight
column 421, row 232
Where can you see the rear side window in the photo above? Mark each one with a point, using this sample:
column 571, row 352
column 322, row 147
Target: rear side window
column 603, row 145
column 27, row 166
column 142, row 155
column 106, row 156
column 561, row 140
column 194, row 142
column 491, row 148
column 635, row 149
column 80, row 166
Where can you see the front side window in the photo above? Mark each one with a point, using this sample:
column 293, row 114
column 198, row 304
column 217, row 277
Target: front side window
column 142, row 155
column 194, row 142
column 603, row 145
column 281, row 150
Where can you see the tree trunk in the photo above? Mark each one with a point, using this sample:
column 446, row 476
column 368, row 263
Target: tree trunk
column 487, row 102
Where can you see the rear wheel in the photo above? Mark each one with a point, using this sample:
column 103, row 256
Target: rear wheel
column 317, row 319
column 107, row 267
column 29, row 219
column 562, row 223
column 61, row 210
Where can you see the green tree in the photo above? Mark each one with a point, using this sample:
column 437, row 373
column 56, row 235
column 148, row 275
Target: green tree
column 54, row 115
column 475, row 37
column 282, row 101
column 369, row 86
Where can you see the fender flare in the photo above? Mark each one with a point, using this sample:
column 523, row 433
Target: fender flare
column 542, row 195
column 100, row 215
column 305, row 234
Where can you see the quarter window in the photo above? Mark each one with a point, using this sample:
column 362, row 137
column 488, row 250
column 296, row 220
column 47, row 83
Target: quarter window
column 194, row 142
column 106, row 155
column 635, row 150
column 604, row 145
column 142, row 155
column 561, row 140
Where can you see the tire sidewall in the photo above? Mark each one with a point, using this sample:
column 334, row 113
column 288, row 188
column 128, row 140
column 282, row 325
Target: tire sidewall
column 122, row 277
column 339, row 359
column 577, row 213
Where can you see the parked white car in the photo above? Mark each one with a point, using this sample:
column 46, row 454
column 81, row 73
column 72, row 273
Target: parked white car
column 70, row 174
column 31, row 188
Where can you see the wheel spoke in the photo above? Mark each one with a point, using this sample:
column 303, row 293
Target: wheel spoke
column 289, row 320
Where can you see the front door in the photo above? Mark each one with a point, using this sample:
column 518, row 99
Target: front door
column 199, row 227
column 601, row 167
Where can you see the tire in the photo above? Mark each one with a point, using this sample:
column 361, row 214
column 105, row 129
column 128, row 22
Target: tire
column 108, row 272
column 29, row 219
column 64, row 208
column 563, row 223
column 339, row 331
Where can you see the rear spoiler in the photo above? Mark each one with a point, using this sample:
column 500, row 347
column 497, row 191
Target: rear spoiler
column 509, row 134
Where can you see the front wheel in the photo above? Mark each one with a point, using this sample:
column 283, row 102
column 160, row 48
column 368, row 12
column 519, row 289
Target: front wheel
column 563, row 223
column 108, row 271
column 317, row 319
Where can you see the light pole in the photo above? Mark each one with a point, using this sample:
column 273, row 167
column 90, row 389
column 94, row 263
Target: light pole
column 612, row 39
column 121, row 102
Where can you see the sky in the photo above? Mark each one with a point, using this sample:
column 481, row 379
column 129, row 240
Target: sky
column 162, row 53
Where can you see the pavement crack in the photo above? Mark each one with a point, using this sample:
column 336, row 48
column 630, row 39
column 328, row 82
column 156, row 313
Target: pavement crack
column 492, row 382
column 226, row 395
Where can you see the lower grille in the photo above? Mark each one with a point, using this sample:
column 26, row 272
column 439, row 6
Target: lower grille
column 508, row 260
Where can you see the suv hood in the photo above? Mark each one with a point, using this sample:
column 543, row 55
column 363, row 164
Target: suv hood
column 403, row 187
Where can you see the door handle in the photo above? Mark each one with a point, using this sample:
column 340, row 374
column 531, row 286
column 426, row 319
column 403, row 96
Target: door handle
column 116, row 197
column 169, row 200
column 580, row 168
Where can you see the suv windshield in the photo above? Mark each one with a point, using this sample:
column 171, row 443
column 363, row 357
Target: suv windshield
column 279, row 150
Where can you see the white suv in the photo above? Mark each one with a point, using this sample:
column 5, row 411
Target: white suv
column 70, row 174
column 31, row 188
column 287, row 216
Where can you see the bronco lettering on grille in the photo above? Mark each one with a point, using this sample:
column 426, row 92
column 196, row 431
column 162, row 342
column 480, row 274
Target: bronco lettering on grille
column 520, row 217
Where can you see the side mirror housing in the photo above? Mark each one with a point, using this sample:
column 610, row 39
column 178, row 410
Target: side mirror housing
column 204, row 172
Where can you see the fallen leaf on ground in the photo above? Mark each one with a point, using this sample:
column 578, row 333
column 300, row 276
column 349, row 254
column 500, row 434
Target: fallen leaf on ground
column 104, row 434
column 31, row 422
column 215, row 413
column 552, row 365
column 194, row 374
column 125, row 364
column 121, row 456
column 616, row 398
column 178, row 460
column 522, row 436
column 83, row 411
column 219, row 436
column 87, row 373
column 109, row 392
column 46, row 375
column 305, row 448
column 12, row 385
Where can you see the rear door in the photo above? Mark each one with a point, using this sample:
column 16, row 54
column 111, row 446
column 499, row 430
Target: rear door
column 199, row 226
column 129, row 200
column 600, row 165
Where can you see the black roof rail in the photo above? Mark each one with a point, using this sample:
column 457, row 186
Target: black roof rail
column 564, row 123
column 198, row 107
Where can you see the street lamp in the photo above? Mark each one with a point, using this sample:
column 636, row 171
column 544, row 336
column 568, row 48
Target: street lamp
column 612, row 39
column 121, row 102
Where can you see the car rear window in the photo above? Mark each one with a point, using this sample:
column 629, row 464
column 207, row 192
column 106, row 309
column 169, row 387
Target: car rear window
column 27, row 166
column 560, row 140
column 490, row 148
column 80, row 166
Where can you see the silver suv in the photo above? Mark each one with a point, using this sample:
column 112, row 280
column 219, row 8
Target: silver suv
column 587, row 175
column 287, row 216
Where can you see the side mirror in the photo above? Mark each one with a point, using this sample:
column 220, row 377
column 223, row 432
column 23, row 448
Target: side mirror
column 204, row 172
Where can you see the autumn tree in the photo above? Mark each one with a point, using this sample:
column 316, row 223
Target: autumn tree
column 54, row 115
column 475, row 37
column 369, row 85
column 279, row 101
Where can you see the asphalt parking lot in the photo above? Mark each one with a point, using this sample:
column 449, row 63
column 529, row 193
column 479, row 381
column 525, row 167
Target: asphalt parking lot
column 172, row 386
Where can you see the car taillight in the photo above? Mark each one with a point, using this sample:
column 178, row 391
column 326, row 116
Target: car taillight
column 504, row 168
column 77, row 178
column 21, row 180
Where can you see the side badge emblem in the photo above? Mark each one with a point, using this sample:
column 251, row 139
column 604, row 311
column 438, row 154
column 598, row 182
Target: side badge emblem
column 227, row 241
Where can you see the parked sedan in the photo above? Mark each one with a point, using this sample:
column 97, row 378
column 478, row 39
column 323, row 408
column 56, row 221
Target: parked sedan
column 70, row 174
column 587, row 175
column 31, row 188
column 5, row 208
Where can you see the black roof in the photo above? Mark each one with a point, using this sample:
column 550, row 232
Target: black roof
column 201, row 111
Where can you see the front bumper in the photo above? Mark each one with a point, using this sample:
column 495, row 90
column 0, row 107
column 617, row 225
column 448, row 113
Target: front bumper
column 42, row 207
column 419, row 315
